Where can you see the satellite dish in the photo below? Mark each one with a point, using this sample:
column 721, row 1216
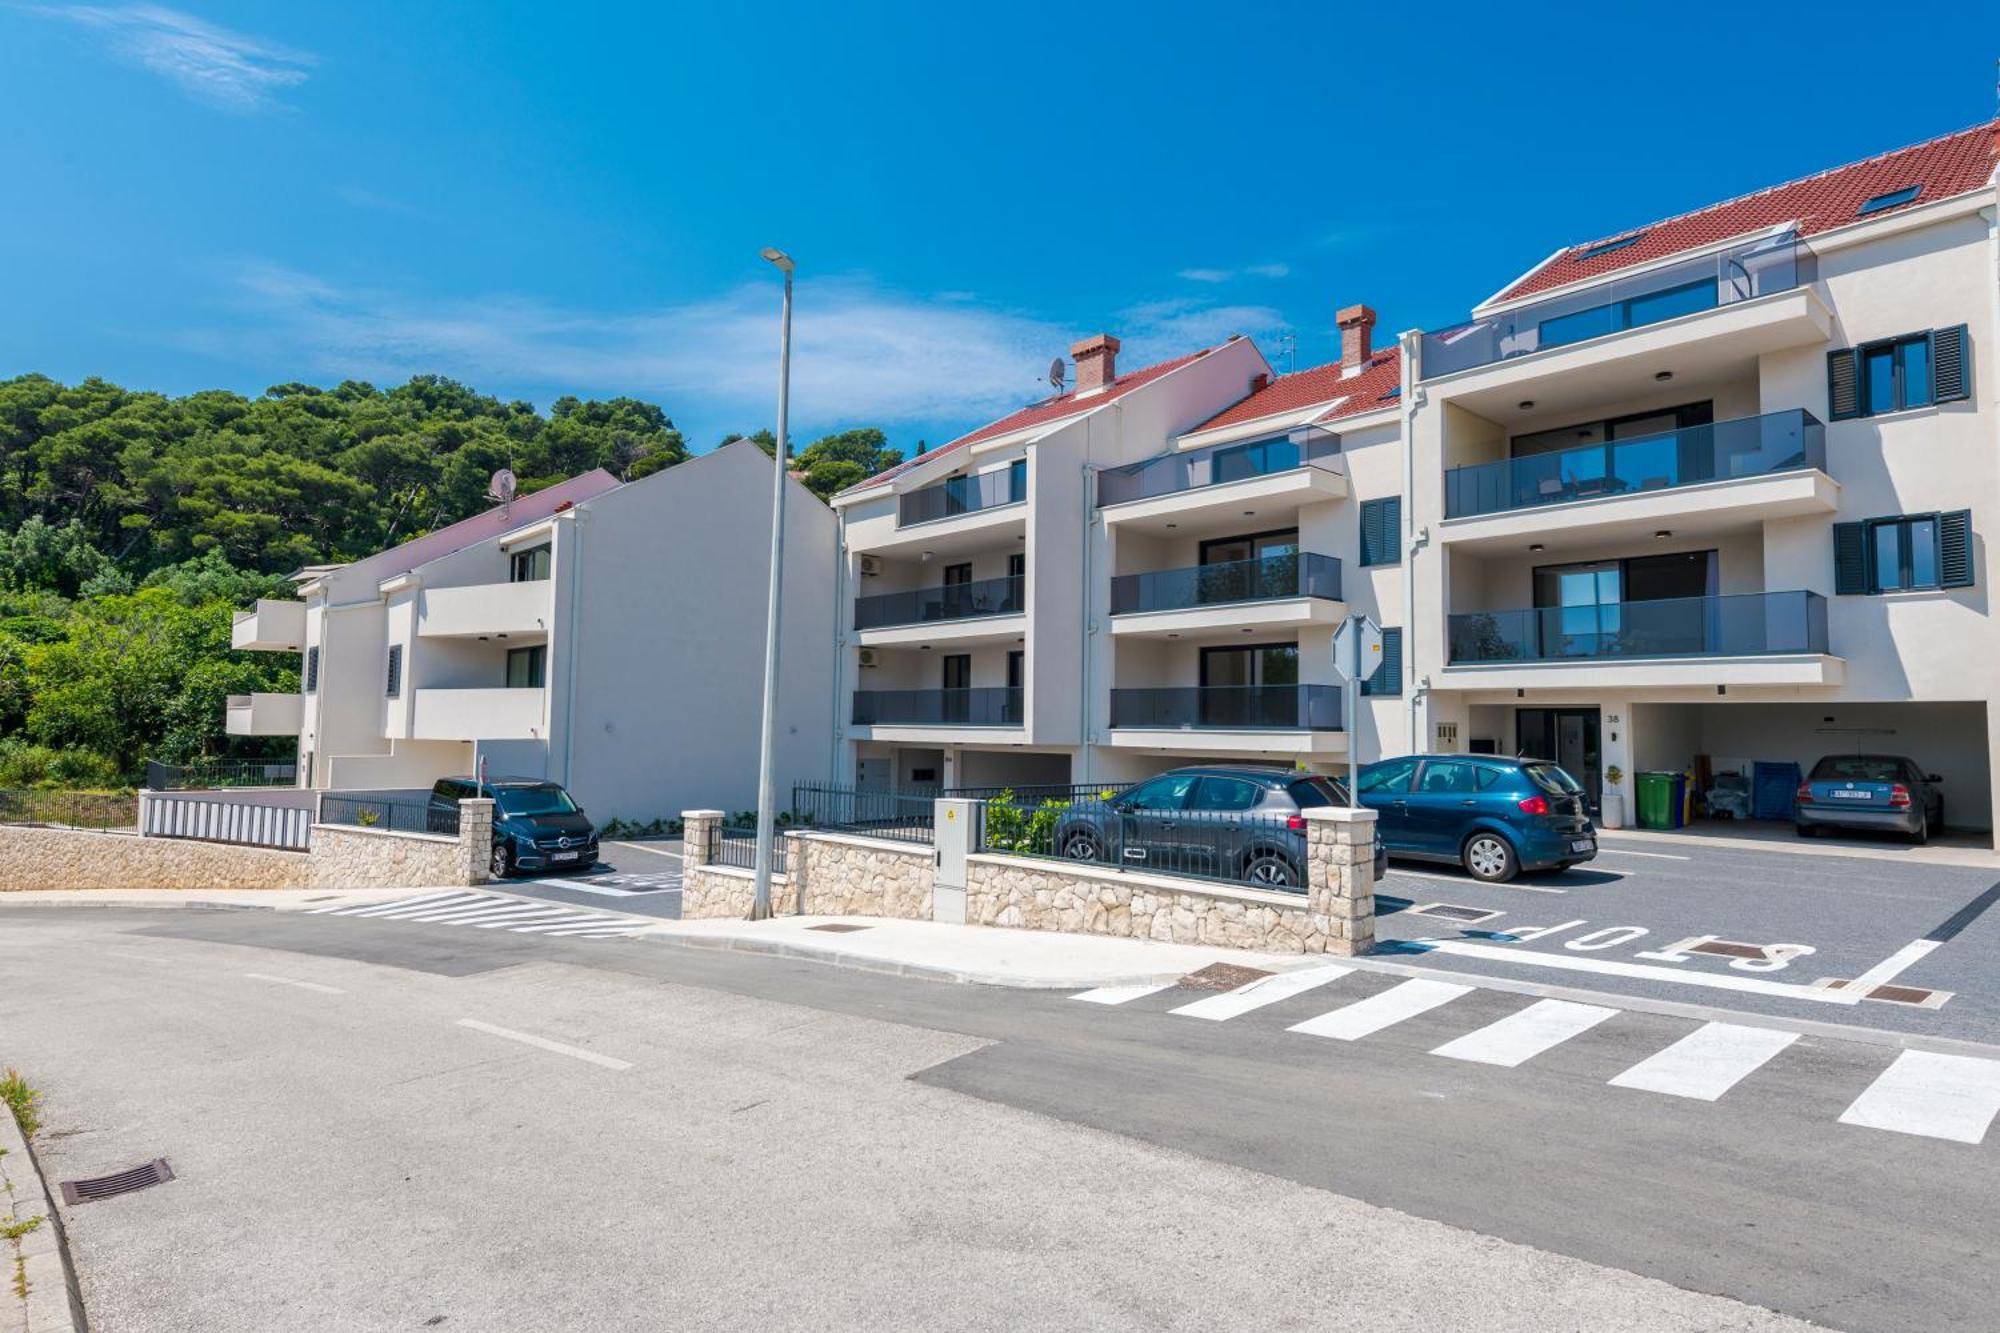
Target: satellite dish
column 1056, row 374
column 502, row 486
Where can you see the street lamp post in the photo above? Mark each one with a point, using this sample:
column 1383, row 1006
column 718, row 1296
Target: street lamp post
column 760, row 906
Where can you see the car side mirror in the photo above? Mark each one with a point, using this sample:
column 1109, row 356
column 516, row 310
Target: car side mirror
column 1933, row 778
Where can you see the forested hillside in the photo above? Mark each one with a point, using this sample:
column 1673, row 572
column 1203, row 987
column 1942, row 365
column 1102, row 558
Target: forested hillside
column 133, row 524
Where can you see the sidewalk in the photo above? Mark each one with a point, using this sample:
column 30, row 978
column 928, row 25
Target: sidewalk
column 1950, row 849
column 984, row 955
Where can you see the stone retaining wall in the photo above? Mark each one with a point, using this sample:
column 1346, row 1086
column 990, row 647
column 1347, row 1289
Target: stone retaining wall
column 839, row 875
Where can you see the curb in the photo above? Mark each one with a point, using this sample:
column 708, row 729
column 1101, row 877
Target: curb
column 52, row 1304
column 920, row 971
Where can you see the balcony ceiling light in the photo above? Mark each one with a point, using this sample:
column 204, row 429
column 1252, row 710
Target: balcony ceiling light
column 1249, row 513
column 1534, row 546
column 1663, row 375
column 1526, row 404
column 1663, row 533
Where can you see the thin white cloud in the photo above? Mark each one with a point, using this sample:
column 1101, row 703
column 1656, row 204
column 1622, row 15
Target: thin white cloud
column 860, row 354
column 1220, row 275
column 1269, row 270
column 1205, row 274
column 211, row 64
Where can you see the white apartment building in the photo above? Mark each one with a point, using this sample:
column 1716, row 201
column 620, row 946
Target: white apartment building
column 1717, row 489
column 608, row 637
column 1704, row 495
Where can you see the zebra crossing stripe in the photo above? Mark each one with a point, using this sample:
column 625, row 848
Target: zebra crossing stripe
column 1262, row 991
column 1363, row 1018
column 424, row 909
column 354, row 909
column 1521, row 1036
column 1937, row 1096
column 1708, row 1062
column 503, row 907
column 547, row 928
column 1120, row 994
column 418, row 904
column 541, row 914
column 457, row 910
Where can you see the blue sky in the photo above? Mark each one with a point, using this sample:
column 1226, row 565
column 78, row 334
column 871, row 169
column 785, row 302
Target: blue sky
column 541, row 202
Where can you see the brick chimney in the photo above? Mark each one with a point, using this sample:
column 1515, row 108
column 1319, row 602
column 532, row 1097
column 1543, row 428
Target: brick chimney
column 1096, row 362
column 1357, row 327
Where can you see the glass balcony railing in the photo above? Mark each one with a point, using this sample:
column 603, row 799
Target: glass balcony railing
column 1234, row 707
column 965, row 495
column 989, row 706
column 953, row 601
column 1722, row 450
column 1300, row 574
column 1744, row 625
column 1308, row 446
column 1756, row 268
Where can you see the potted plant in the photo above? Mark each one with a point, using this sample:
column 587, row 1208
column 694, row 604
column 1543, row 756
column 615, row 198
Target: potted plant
column 1611, row 811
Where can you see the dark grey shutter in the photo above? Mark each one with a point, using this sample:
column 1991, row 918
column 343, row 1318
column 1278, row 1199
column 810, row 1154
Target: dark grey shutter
column 1955, row 549
column 1850, row 558
column 395, row 670
column 1843, row 384
column 1381, row 528
column 312, row 669
column 1950, row 369
column 1388, row 677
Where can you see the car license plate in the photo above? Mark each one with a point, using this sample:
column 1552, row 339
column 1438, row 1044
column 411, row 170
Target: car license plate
column 562, row 856
column 1853, row 795
column 1582, row 845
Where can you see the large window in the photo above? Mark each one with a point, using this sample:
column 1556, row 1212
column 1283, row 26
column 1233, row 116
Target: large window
column 1903, row 553
column 526, row 667
column 529, row 565
column 1895, row 374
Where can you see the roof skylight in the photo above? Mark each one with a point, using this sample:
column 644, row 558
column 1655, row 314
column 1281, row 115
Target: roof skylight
column 1892, row 199
column 1606, row 247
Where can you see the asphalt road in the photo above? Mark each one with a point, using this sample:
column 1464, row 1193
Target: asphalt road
column 1635, row 922
column 364, row 1140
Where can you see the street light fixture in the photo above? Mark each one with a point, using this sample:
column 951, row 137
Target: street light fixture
column 760, row 906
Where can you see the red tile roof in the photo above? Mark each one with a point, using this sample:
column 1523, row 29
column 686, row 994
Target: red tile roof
column 1046, row 412
column 1320, row 384
column 1952, row 164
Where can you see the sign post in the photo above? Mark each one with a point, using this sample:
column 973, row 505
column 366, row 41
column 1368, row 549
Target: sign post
column 1357, row 654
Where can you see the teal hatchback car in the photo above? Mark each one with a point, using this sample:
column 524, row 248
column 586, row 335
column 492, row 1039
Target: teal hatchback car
column 1496, row 817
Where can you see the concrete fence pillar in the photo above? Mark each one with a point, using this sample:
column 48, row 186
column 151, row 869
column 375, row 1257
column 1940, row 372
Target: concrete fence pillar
column 795, row 866
column 475, row 840
column 698, row 836
column 1340, row 877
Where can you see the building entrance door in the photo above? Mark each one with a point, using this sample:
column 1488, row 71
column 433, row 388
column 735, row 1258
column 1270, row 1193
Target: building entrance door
column 1570, row 736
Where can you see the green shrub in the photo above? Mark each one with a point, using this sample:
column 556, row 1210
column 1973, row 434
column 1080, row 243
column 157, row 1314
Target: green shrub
column 24, row 765
column 23, row 1101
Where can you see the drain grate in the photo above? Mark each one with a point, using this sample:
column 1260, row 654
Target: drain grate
column 1222, row 977
column 155, row 1172
column 1912, row 995
column 839, row 928
column 1729, row 949
column 1453, row 912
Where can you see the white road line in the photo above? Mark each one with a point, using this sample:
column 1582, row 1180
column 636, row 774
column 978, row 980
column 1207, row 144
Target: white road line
column 1119, row 994
column 292, row 981
column 547, row 915
column 543, row 1043
column 1464, row 881
column 1610, row 968
column 1708, row 1062
column 1363, row 1018
column 1938, row 1096
column 429, row 900
column 1263, row 991
column 489, row 912
column 462, row 909
column 343, row 909
column 1520, row 1037
column 1889, row 968
column 1657, row 856
column 642, row 847
column 420, row 909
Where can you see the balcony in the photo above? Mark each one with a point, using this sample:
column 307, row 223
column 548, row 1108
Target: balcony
column 1702, row 477
column 1741, row 273
column 265, row 714
column 1194, row 489
column 477, row 715
column 957, row 496
column 1766, row 638
column 481, row 609
column 1228, row 708
column 1272, row 592
column 269, row 627
column 941, row 605
column 986, row 706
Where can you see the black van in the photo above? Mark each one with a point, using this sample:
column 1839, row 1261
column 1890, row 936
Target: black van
column 536, row 826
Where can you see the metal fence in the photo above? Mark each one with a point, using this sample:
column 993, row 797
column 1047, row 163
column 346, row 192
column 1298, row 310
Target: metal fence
column 906, row 816
column 1262, row 851
column 736, row 846
column 70, row 810
column 389, row 816
column 282, row 826
column 221, row 773
column 1034, row 793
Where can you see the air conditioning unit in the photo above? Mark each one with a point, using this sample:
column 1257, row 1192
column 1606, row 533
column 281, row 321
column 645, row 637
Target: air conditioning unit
column 867, row 657
column 871, row 564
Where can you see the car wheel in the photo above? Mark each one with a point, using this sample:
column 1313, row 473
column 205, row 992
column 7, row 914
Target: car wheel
column 1806, row 830
column 1083, row 846
column 503, row 860
column 1269, row 870
column 1923, row 833
column 1490, row 857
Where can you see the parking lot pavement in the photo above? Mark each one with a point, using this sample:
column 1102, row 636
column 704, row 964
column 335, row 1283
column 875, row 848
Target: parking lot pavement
column 1753, row 928
column 643, row 878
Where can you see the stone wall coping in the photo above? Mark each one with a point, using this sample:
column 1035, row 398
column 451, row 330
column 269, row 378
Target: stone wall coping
column 387, row 833
column 1339, row 814
column 704, row 814
column 922, row 851
column 738, row 872
column 1298, row 902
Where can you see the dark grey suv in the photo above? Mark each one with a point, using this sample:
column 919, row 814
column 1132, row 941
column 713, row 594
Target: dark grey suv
column 1226, row 822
